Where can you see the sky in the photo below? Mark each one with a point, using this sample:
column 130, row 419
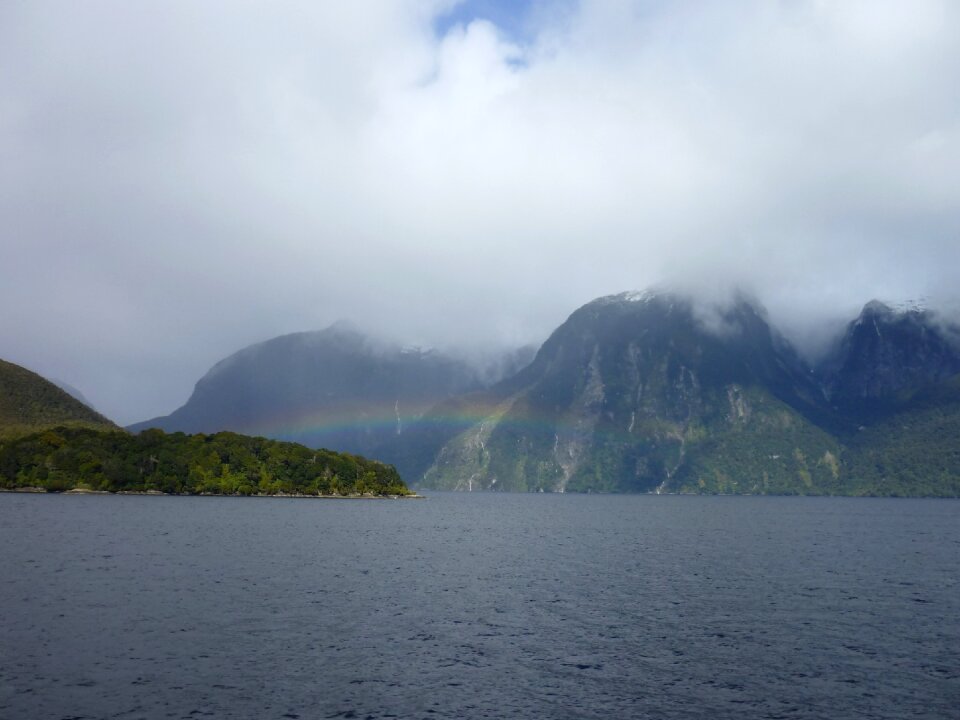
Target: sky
column 180, row 179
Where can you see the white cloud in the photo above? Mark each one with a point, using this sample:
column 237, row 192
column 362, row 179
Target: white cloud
column 178, row 179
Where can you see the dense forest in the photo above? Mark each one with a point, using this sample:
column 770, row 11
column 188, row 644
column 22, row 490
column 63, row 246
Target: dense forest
column 912, row 450
column 68, row 458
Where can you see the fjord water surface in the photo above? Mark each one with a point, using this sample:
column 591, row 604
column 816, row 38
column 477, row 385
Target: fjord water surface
column 470, row 606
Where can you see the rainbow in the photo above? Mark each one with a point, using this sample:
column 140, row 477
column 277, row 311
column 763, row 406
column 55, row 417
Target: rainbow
column 333, row 424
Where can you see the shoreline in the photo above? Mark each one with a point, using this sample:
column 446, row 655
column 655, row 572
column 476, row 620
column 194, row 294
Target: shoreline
column 156, row 493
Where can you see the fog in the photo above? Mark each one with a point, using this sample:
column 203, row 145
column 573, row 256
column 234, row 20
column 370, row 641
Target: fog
column 181, row 179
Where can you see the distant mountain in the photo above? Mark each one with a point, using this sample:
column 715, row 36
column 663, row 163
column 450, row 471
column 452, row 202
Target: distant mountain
column 29, row 402
column 637, row 393
column 72, row 392
column 496, row 366
column 885, row 355
column 336, row 388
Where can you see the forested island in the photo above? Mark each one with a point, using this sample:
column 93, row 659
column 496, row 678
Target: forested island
column 76, row 458
column 52, row 442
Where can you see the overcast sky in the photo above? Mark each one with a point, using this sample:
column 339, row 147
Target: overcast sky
column 181, row 179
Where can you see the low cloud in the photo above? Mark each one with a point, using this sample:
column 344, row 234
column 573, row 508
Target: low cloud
column 179, row 179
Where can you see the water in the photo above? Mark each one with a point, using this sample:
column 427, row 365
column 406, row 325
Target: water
column 471, row 606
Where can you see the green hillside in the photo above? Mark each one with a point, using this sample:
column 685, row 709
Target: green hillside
column 29, row 403
column 914, row 450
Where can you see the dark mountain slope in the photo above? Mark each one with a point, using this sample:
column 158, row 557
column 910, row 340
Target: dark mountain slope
column 884, row 356
column 335, row 388
column 894, row 378
column 634, row 393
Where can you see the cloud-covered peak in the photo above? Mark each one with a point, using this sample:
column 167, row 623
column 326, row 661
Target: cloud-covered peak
column 181, row 179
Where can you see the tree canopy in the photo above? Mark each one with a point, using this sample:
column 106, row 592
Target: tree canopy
column 225, row 463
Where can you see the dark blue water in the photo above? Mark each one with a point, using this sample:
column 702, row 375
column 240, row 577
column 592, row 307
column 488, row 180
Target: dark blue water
column 470, row 606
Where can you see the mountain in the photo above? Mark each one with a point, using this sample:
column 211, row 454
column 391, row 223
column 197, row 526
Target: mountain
column 644, row 392
column 885, row 355
column 336, row 388
column 29, row 402
column 894, row 376
column 638, row 392
column 72, row 392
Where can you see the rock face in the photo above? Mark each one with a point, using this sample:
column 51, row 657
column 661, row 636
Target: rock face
column 637, row 393
column 885, row 354
column 643, row 392
column 894, row 378
column 336, row 388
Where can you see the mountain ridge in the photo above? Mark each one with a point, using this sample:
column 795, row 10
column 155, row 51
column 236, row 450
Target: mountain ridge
column 648, row 394
column 635, row 392
column 618, row 395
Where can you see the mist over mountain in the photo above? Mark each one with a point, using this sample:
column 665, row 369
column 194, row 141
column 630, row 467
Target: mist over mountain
column 885, row 353
column 639, row 392
column 655, row 391
column 72, row 392
column 337, row 388
column 180, row 186
column 642, row 392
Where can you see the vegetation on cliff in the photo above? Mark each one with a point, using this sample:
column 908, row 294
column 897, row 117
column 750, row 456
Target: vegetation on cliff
column 914, row 450
column 640, row 393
